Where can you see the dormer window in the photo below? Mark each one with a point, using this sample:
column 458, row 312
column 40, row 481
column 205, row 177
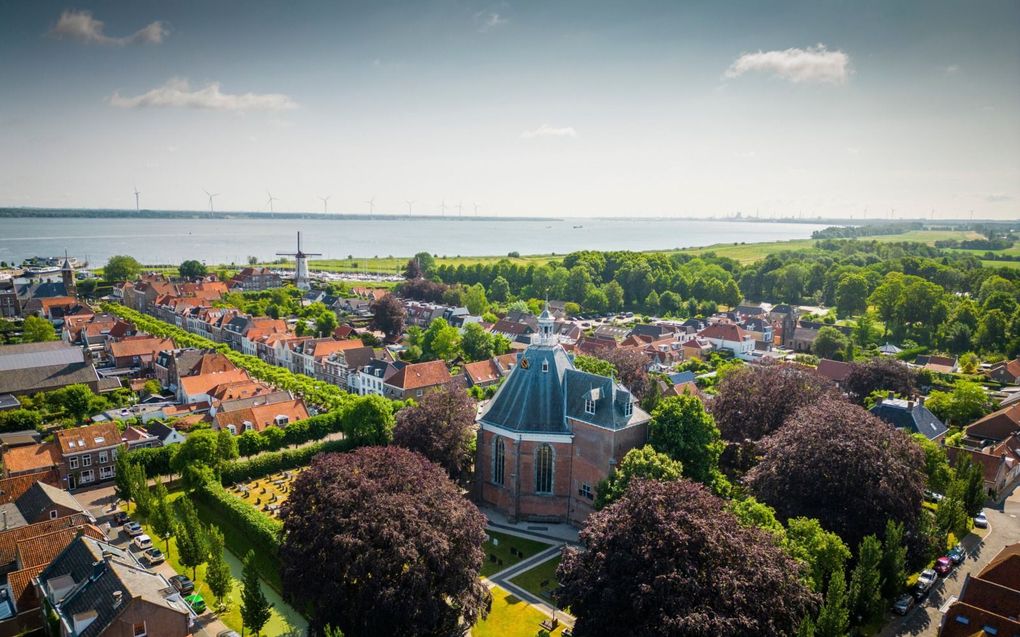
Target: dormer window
column 282, row 420
column 589, row 406
column 545, row 366
column 628, row 408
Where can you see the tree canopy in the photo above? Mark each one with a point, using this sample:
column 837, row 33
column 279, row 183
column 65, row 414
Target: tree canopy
column 403, row 549
column 684, row 431
column 640, row 462
column 667, row 559
column 121, row 268
column 441, row 428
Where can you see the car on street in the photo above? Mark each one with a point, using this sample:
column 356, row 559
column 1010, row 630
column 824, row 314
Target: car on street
column 120, row 518
column 980, row 521
column 196, row 602
column 903, row 604
column 155, row 556
column 183, row 584
column 133, row 529
column 143, row 542
column 925, row 582
column 957, row 554
column 932, row 496
column 944, row 565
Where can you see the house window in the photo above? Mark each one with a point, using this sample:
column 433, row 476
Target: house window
column 628, row 408
column 105, row 473
column 103, row 457
column 585, row 491
column 544, row 469
column 73, row 462
column 139, row 630
column 86, row 460
column 419, row 393
column 53, row 514
column 589, row 406
column 87, row 476
column 498, row 460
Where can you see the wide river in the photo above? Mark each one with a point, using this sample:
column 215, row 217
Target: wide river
column 170, row 241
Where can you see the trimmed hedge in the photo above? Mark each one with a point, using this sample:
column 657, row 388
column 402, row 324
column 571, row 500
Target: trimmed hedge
column 267, row 463
column 155, row 460
column 260, row 529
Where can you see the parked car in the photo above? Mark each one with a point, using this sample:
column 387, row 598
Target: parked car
column 227, row 633
column 957, row 554
column 143, row 541
column 196, row 602
column 133, row 529
column 903, row 604
column 183, row 585
column 931, row 496
column 944, row 565
column 924, row 584
column 980, row 521
column 155, row 556
column 120, row 518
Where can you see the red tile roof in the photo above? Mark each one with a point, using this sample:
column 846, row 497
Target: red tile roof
column 997, row 425
column 203, row 383
column 263, row 416
column 9, row 539
column 12, row 488
column 421, row 375
column 836, row 371
column 482, row 371
column 41, row 549
column 723, row 331
column 39, row 457
column 145, row 346
column 78, row 439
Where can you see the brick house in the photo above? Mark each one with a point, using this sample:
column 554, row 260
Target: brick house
column 551, row 434
column 138, row 351
column 412, row 381
column 88, row 453
column 255, row 279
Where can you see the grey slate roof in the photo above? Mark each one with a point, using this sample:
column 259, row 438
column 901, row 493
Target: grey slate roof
column 911, row 415
column 43, row 289
column 29, row 355
column 11, row 517
column 537, row 401
column 41, row 496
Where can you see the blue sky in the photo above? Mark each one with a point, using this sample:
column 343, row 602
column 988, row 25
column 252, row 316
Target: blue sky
column 525, row 108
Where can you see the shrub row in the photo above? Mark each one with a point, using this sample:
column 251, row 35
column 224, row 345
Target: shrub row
column 155, row 460
column 267, row 463
column 260, row 529
column 318, row 427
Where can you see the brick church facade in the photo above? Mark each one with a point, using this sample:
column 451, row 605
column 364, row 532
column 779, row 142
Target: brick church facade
column 551, row 434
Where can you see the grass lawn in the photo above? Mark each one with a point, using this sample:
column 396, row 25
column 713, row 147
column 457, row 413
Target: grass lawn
column 501, row 549
column 510, row 617
column 531, row 579
column 284, row 620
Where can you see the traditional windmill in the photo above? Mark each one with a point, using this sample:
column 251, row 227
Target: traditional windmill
column 300, row 264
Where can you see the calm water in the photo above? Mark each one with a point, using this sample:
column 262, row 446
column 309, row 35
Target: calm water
column 159, row 241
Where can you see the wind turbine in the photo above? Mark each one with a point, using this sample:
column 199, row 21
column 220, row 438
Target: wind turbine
column 460, row 208
column 410, row 206
column 476, row 208
column 211, row 195
column 138, row 207
column 371, row 206
column 271, row 200
column 324, row 200
column 442, row 207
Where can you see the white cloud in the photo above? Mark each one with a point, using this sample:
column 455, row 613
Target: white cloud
column 952, row 69
column 814, row 64
column 178, row 93
column 81, row 26
column 489, row 20
column 546, row 130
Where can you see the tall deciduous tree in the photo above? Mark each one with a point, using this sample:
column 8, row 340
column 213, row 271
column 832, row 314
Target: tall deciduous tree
column 879, row 374
column 37, row 330
column 255, row 608
column 161, row 514
column 834, row 617
column 631, row 370
column 865, row 599
column 388, row 316
column 683, row 430
column 642, row 462
column 667, row 559
column 441, row 428
column 836, row 462
column 823, row 551
column 217, row 572
column 121, row 268
column 368, row 420
column 894, row 561
column 192, row 269
column 192, row 544
column 403, row 551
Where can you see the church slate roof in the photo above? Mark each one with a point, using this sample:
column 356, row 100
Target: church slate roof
column 910, row 415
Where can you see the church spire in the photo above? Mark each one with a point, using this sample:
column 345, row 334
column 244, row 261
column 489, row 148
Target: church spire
column 546, row 325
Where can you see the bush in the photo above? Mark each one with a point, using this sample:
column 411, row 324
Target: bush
column 155, row 460
column 19, row 420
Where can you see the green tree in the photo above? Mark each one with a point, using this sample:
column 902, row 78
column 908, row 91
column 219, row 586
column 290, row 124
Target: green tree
column 161, row 514
column 866, row 330
column 967, row 402
column 642, row 462
column 140, row 490
column 152, row 387
column 831, row 343
column 614, row 295
column 865, row 602
column 192, row 269
column 477, row 344
column 682, row 429
column 255, row 608
column 426, row 262
column 325, row 323
column 197, row 458
column 369, row 421
column 77, row 400
column 226, row 446
column 441, row 341
column 750, row 512
column 852, row 295
column 217, row 572
column 499, row 289
column 971, row 476
column 192, row 543
column 936, row 464
column 834, row 616
column 951, row 515
column 37, row 330
column 991, row 332
column 594, row 365
column 122, row 476
column 20, row 420
column 894, row 561
column 824, row 552
column 474, row 299
column 121, row 268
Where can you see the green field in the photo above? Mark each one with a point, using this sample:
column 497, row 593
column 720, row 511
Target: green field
column 531, row 579
column 501, row 549
column 510, row 617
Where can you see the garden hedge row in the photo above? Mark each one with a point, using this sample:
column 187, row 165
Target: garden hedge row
column 267, row 463
column 260, row 529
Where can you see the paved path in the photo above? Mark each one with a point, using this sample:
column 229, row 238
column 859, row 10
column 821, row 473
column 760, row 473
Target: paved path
column 502, row 579
column 1003, row 529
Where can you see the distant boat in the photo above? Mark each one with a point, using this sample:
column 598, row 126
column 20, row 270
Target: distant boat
column 576, row 227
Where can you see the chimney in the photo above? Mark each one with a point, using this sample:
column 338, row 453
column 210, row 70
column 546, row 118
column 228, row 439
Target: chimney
column 118, row 597
column 910, row 404
column 920, row 401
column 890, row 395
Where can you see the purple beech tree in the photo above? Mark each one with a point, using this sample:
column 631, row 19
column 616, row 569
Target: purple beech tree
column 836, row 462
column 379, row 541
column 667, row 559
column 441, row 428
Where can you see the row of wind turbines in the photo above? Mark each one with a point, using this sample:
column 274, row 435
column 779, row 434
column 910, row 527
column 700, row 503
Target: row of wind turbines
column 325, row 203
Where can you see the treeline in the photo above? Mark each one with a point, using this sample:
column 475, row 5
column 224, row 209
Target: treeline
column 870, row 230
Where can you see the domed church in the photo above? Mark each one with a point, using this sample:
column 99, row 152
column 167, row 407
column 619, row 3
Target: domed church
column 552, row 433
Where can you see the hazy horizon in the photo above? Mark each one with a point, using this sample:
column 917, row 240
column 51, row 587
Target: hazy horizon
column 571, row 109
